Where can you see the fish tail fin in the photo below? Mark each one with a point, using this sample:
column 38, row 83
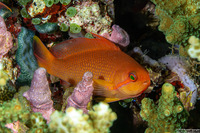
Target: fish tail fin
column 42, row 54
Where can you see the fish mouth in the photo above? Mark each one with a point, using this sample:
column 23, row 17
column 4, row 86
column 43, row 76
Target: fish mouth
column 146, row 82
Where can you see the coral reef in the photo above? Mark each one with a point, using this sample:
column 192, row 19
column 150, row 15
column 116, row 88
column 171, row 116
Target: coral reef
column 38, row 123
column 36, row 7
column 87, row 14
column 178, row 19
column 194, row 49
column 24, row 57
column 3, row 75
column 39, row 94
column 7, row 70
column 98, row 120
column 179, row 66
column 13, row 126
column 45, row 10
column 12, row 111
column 6, row 42
column 7, row 91
column 82, row 93
column 8, row 75
column 168, row 116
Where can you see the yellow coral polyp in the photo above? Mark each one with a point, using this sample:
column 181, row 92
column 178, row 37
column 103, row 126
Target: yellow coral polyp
column 167, row 112
column 166, row 23
column 180, row 26
column 170, row 38
column 179, row 108
column 17, row 107
column 167, row 88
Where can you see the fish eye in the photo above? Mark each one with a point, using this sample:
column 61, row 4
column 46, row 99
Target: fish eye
column 132, row 76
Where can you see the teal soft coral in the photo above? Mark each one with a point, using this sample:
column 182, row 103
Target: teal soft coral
column 25, row 58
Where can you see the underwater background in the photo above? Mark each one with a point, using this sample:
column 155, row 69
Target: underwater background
column 99, row 66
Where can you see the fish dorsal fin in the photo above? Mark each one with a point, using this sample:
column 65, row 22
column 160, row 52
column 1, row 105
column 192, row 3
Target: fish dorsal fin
column 80, row 45
column 2, row 5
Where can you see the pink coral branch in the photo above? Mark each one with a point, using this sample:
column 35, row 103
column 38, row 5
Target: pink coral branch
column 82, row 93
column 6, row 40
column 118, row 35
column 13, row 126
column 39, row 94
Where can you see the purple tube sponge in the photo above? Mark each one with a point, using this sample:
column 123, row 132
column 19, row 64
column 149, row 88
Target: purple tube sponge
column 179, row 66
column 82, row 93
column 39, row 94
column 5, row 39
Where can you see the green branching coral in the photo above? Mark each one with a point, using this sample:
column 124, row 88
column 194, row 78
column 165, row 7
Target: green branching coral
column 168, row 116
column 179, row 19
column 47, row 28
column 74, row 121
column 24, row 57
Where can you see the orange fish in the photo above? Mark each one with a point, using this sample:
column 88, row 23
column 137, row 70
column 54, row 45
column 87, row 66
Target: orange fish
column 117, row 76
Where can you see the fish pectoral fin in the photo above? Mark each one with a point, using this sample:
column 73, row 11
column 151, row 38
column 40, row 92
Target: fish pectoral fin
column 103, row 88
column 105, row 84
